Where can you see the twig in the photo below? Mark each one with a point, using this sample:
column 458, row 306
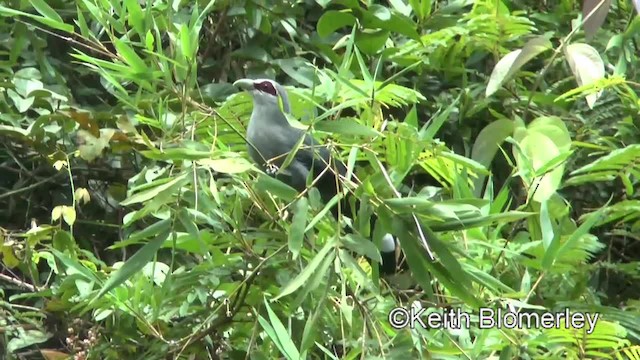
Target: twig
column 30, row 187
column 18, row 282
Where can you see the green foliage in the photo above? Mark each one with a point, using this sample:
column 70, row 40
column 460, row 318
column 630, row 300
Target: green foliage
column 134, row 225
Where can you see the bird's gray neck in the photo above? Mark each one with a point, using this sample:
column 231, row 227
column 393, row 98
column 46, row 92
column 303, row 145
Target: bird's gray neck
column 266, row 115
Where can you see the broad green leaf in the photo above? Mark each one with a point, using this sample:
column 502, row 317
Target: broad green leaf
column 56, row 212
column 185, row 42
column 486, row 146
column 401, row 7
column 176, row 154
column 13, row 131
column 539, row 149
column 371, row 42
column 332, row 20
column 555, row 129
column 187, row 221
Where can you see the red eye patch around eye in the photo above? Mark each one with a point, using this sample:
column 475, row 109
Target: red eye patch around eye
column 267, row 87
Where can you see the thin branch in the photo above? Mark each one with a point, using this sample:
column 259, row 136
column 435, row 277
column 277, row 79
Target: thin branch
column 19, row 283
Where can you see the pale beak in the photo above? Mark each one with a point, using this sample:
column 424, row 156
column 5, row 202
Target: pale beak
column 244, row 84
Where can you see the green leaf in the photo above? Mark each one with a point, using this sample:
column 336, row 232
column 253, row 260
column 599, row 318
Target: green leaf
column 380, row 12
column 235, row 165
column 554, row 128
column 346, row 126
column 185, row 42
column 276, row 187
column 332, row 20
column 75, row 265
column 298, row 224
column 555, row 252
column 310, row 329
column 371, row 42
column 136, row 17
column 403, row 25
column 156, row 190
column 149, row 231
column 46, row 11
column 176, row 154
column 187, row 221
column 300, row 280
column 536, row 151
column 489, row 140
column 278, row 333
column 25, row 338
column 422, row 8
column 5, row 11
column 362, row 246
column 487, row 144
column 134, row 264
column 447, row 270
column 130, row 57
column 315, row 279
column 513, row 61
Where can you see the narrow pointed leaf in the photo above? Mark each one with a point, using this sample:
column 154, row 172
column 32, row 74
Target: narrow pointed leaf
column 134, row 264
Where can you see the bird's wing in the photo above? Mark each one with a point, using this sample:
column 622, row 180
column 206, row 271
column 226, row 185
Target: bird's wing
column 317, row 157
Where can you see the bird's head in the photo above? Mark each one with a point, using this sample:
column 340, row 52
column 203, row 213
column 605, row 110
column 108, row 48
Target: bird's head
column 265, row 92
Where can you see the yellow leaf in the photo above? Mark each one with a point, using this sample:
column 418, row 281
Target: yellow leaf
column 82, row 195
column 55, row 214
column 69, row 215
column 59, row 164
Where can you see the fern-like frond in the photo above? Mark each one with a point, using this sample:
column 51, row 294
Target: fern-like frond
column 619, row 163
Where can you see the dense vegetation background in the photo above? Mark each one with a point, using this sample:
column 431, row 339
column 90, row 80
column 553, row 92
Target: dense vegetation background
column 503, row 136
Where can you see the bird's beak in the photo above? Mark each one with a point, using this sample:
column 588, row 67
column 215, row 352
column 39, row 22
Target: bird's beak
column 244, row 84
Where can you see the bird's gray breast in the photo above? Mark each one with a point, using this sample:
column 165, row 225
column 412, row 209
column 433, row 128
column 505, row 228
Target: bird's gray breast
column 270, row 139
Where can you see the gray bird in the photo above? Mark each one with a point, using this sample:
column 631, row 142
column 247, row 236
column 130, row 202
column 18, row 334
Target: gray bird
column 270, row 138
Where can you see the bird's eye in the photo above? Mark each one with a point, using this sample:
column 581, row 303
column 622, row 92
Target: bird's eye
column 267, row 87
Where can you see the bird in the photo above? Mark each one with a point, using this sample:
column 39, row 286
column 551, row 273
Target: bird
column 270, row 138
